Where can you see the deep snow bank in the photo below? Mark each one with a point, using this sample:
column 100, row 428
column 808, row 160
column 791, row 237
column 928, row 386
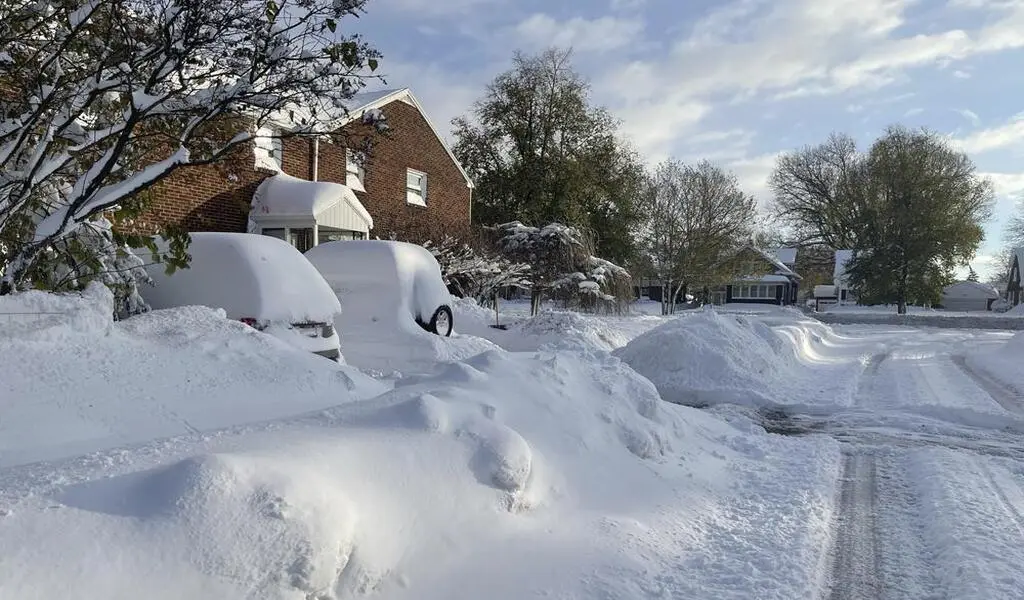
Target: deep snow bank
column 552, row 328
column 75, row 381
column 506, row 476
column 710, row 358
column 1001, row 361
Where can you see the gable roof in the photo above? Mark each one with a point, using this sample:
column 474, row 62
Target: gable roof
column 780, row 268
column 364, row 102
column 785, row 255
column 962, row 289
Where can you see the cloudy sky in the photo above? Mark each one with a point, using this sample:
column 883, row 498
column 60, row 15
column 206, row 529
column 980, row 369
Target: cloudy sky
column 739, row 81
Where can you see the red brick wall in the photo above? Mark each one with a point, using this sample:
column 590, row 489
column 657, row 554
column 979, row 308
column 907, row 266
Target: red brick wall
column 410, row 144
column 217, row 197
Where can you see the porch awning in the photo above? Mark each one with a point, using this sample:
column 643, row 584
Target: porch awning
column 283, row 197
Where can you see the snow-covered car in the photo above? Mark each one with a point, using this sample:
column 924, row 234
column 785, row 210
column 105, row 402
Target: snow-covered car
column 259, row 280
column 384, row 282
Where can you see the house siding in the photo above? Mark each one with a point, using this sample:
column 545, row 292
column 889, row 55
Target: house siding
column 218, row 197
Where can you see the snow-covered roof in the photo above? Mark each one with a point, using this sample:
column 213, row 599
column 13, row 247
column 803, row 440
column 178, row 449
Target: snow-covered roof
column 766, row 279
column 970, row 289
column 825, row 291
column 842, row 258
column 285, row 196
column 786, row 256
column 780, row 268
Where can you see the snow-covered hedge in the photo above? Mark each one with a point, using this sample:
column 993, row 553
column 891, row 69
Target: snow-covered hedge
column 470, row 273
column 564, row 268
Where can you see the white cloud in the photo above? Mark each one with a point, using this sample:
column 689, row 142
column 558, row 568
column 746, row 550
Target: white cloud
column 627, row 4
column 1006, row 184
column 434, row 8
column 583, row 35
column 970, row 115
column 753, row 174
column 913, row 112
column 995, row 138
column 961, row 74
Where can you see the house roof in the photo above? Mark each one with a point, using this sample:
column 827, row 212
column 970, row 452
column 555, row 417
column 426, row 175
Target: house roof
column 780, row 267
column 360, row 104
column 970, row 289
column 285, row 196
column 785, row 255
column 366, row 101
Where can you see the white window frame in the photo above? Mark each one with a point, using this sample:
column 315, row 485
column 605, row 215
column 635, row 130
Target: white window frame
column 762, row 291
column 355, row 173
column 417, row 196
column 268, row 150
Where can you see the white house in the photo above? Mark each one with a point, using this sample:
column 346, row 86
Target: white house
column 843, row 293
column 969, row 296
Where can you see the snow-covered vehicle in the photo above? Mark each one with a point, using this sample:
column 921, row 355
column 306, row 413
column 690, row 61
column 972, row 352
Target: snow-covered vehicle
column 386, row 282
column 259, row 280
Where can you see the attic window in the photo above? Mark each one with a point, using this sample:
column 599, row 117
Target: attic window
column 416, row 187
column 267, row 149
column 355, row 173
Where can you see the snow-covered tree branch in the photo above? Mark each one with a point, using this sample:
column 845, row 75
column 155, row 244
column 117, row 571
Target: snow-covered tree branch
column 100, row 99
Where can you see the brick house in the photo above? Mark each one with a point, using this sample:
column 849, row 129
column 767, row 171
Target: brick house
column 311, row 189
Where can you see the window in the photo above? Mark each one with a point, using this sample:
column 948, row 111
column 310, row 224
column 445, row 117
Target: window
column 416, row 187
column 754, row 292
column 355, row 173
column 337, row 236
column 302, row 239
column 267, row 149
column 277, row 233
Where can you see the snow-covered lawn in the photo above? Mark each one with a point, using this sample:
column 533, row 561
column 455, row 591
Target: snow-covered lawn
column 178, row 454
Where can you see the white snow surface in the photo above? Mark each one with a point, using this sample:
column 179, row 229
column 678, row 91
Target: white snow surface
column 75, row 381
column 506, row 475
column 707, row 357
column 247, row 275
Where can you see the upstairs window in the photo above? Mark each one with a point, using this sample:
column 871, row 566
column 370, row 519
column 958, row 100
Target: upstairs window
column 416, row 187
column 355, row 173
column 267, row 149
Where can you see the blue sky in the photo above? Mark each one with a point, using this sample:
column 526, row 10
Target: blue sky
column 739, row 81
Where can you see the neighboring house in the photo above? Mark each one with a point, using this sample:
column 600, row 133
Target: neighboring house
column 771, row 280
column 843, row 293
column 1013, row 283
column 969, row 296
column 312, row 189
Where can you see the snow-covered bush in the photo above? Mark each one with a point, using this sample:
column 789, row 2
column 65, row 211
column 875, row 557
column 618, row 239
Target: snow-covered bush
column 93, row 253
column 470, row 273
column 563, row 267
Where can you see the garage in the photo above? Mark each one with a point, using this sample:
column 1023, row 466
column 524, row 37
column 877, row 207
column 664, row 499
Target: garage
column 969, row 296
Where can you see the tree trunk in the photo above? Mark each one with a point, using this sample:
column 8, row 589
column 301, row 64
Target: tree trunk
column 535, row 298
column 681, row 288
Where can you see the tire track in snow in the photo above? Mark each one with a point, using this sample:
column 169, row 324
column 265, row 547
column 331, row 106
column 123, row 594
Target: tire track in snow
column 855, row 564
column 1002, row 394
column 1013, row 513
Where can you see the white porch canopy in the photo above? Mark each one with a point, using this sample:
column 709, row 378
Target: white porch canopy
column 283, row 201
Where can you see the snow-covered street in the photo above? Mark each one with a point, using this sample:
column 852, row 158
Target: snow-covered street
column 843, row 462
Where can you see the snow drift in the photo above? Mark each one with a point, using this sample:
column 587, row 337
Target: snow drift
column 504, row 476
column 76, row 381
column 709, row 358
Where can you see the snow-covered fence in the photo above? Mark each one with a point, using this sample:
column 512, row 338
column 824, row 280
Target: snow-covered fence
column 962, row 321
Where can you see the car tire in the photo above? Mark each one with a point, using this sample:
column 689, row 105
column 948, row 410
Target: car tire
column 442, row 323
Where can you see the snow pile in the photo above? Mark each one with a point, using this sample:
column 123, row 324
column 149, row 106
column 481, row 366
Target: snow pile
column 1001, row 362
column 710, row 358
column 470, row 316
column 41, row 316
column 82, row 382
column 506, row 476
